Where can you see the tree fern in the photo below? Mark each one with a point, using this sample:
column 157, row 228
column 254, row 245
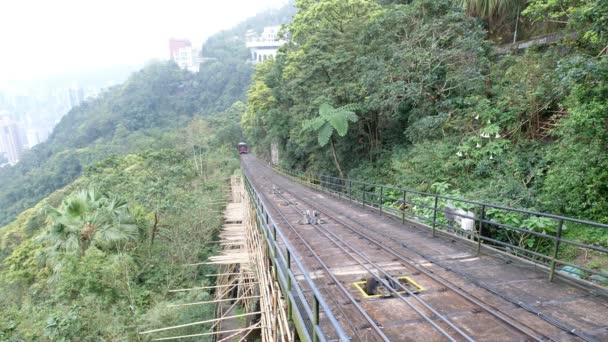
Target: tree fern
column 332, row 120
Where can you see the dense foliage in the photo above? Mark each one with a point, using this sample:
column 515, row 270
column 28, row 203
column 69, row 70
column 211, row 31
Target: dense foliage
column 125, row 118
column 134, row 115
column 439, row 106
column 411, row 93
column 128, row 189
column 96, row 260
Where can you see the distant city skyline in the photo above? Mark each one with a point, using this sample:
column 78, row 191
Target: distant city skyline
column 36, row 107
column 11, row 140
column 47, row 38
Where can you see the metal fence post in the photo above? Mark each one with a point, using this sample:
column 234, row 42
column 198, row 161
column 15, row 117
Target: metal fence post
column 363, row 196
column 403, row 208
column 482, row 217
column 289, row 303
column 435, row 214
column 350, row 191
column 315, row 318
column 381, row 199
column 558, row 238
column 275, row 251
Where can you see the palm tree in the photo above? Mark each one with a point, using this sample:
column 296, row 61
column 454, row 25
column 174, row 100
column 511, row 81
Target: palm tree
column 332, row 120
column 89, row 218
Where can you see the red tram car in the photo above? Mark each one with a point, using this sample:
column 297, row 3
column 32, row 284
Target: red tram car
column 243, row 149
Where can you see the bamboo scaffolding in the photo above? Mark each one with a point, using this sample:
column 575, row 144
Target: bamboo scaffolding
column 230, row 308
column 206, row 334
column 272, row 305
column 239, row 274
column 244, row 254
column 210, row 301
column 197, row 323
column 224, row 274
column 235, row 256
column 204, row 288
column 240, row 332
column 244, row 337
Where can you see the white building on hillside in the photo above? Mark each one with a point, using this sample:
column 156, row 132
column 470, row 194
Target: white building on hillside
column 188, row 58
column 265, row 45
column 184, row 54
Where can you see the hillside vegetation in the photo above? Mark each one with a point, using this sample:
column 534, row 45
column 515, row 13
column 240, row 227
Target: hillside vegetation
column 413, row 94
column 134, row 115
column 435, row 104
column 114, row 243
column 102, row 217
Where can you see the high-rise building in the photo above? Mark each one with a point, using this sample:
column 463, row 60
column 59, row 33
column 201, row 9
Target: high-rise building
column 75, row 96
column 33, row 137
column 10, row 140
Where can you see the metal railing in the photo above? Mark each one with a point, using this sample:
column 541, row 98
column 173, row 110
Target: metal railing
column 306, row 306
column 534, row 236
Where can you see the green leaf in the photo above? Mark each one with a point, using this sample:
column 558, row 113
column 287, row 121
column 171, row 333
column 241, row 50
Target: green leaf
column 325, row 134
column 339, row 122
column 351, row 116
column 351, row 107
column 325, row 110
column 314, row 124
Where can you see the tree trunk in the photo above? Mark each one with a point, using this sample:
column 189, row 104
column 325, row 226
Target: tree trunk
column 516, row 25
column 154, row 228
column 333, row 152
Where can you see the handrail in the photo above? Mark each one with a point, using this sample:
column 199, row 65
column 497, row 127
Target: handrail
column 488, row 205
column 427, row 213
column 273, row 233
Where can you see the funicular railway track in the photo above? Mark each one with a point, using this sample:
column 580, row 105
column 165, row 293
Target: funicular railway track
column 444, row 311
column 358, row 321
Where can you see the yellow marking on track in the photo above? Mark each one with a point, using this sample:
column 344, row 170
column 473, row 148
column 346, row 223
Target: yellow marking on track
column 360, row 284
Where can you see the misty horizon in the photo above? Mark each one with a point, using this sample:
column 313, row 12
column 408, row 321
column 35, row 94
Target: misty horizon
column 108, row 34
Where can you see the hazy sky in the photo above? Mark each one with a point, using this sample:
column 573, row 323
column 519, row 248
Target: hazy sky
column 46, row 37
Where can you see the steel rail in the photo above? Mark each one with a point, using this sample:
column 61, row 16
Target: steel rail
column 396, row 282
column 373, row 324
column 440, row 280
column 395, row 292
column 524, row 306
column 320, row 300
